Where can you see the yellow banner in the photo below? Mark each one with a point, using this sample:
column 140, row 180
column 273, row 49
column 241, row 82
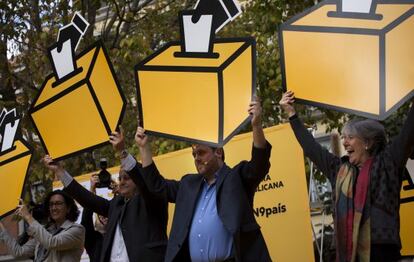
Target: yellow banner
column 407, row 212
column 281, row 203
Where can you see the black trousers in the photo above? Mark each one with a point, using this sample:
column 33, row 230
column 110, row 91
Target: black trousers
column 385, row 253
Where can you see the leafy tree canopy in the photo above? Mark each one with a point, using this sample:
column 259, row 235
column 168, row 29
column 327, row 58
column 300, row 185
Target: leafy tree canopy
column 132, row 30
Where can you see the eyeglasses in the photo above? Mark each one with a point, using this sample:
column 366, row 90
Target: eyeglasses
column 57, row 203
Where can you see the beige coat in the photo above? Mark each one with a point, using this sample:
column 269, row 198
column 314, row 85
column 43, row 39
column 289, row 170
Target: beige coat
column 65, row 246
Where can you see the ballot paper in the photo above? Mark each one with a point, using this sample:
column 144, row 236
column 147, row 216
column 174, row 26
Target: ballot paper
column 63, row 60
column 358, row 6
column 8, row 128
column 197, row 34
column 62, row 53
column 198, row 26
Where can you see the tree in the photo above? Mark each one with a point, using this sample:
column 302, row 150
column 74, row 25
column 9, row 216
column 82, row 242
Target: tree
column 132, row 30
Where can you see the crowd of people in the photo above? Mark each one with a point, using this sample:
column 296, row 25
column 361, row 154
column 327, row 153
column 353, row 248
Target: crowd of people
column 213, row 218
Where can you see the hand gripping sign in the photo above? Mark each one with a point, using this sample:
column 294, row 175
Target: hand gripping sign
column 15, row 155
column 81, row 103
column 353, row 56
column 198, row 89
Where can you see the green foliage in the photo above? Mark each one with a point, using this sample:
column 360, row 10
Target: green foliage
column 28, row 27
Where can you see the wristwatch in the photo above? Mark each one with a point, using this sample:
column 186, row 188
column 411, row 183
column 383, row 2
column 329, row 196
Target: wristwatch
column 123, row 154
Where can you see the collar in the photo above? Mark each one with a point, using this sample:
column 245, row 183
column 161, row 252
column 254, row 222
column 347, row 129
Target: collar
column 67, row 224
column 219, row 173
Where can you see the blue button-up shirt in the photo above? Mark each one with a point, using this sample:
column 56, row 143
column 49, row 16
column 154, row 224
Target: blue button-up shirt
column 209, row 240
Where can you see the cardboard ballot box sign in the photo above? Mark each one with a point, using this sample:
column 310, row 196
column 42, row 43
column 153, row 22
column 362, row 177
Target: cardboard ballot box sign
column 81, row 112
column 13, row 169
column 197, row 99
column 361, row 66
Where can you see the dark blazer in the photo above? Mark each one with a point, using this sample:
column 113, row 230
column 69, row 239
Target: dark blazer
column 93, row 238
column 235, row 191
column 386, row 175
column 143, row 220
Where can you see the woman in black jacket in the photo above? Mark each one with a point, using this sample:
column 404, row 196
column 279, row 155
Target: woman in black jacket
column 137, row 221
column 366, row 183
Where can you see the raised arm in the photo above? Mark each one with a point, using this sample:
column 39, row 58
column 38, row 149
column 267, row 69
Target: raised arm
column 326, row 162
column 155, row 182
column 128, row 162
column 27, row 250
column 402, row 145
column 67, row 239
column 134, row 169
column 85, row 198
column 257, row 168
column 255, row 110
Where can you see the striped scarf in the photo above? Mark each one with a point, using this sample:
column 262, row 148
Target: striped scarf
column 352, row 213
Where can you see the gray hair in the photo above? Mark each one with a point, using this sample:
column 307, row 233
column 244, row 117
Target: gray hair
column 370, row 131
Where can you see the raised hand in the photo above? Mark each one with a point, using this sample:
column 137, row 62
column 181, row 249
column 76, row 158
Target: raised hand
column 286, row 103
column 94, row 180
column 255, row 110
column 23, row 212
column 142, row 141
column 53, row 166
column 117, row 140
column 141, row 138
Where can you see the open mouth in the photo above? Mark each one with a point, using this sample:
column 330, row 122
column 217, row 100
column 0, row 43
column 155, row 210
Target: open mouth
column 350, row 154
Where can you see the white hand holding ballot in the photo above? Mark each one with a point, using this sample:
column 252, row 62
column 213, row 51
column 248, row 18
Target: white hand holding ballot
column 8, row 128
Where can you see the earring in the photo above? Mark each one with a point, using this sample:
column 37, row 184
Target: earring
column 366, row 148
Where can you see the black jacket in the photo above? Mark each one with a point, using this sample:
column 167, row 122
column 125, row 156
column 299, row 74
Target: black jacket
column 235, row 192
column 386, row 175
column 143, row 220
column 93, row 238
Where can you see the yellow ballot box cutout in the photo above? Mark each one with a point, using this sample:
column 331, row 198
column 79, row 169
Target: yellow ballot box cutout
column 407, row 212
column 79, row 112
column 14, row 165
column 197, row 99
column 358, row 63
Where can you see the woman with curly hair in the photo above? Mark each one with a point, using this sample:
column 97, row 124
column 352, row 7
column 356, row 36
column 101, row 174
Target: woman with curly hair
column 60, row 240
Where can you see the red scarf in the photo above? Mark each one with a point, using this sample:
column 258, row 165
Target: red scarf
column 352, row 220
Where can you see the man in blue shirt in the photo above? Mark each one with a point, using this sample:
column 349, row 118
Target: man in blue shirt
column 213, row 218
